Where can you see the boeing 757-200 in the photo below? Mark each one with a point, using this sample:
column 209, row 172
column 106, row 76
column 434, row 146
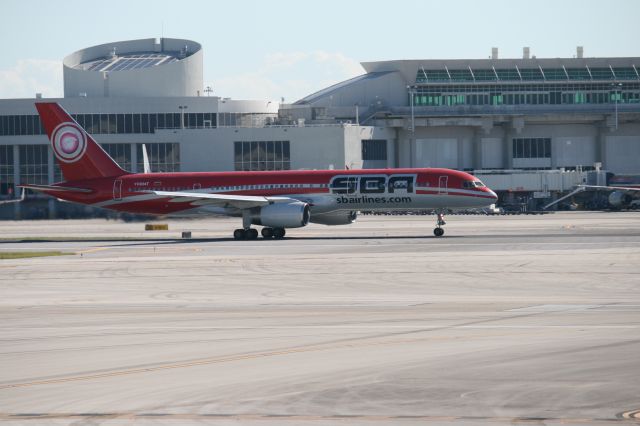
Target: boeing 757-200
column 276, row 200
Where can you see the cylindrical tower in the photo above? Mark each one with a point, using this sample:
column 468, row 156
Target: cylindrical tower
column 135, row 68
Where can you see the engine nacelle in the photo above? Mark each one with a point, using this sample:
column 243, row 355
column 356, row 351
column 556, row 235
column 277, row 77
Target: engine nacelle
column 619, row 199
column 334, row 218
column 283, row 215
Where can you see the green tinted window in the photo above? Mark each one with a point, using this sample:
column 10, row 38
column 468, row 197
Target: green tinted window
column 625, row 73
column 421, row 77
column 461, row 75
column 484, row 75
column 531, row 74
column 437, row 75
column 527, row 93
column 508, row 74
column 601, row 73
column 554, row 74
column 578, row 74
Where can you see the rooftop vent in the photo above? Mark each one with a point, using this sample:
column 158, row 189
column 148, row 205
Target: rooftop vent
column 580, row 52
column 494, row 53
column 526, row 53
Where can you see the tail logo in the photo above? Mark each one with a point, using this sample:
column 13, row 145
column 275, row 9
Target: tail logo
column 69, row 142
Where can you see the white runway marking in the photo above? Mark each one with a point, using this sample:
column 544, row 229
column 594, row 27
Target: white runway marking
column 555, row 308
column 347, row 327
column 240, row 244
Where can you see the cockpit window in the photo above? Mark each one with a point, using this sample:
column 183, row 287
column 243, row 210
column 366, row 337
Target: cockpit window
column 472, row 184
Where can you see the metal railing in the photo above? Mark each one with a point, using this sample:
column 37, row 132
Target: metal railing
column 513, row 109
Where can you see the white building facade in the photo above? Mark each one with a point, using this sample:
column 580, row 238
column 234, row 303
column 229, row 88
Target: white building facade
column 524, row 125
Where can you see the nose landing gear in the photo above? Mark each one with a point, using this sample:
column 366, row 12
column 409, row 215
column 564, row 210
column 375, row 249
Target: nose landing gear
column 438, row 231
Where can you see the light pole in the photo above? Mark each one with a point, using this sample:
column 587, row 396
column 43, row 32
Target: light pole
column 182, row 108
column 413, row 125
column 616, row 93
column 411, row 94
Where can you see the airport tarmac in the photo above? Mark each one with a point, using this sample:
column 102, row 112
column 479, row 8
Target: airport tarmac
column 505, row 320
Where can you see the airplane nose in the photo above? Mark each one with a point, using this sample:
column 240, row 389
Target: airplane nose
column 493, row 194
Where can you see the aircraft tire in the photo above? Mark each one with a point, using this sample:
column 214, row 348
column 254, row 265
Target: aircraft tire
column 239, row 234
column 252, row 234
column 438, row 232
column 279, row 233
column 267, row 233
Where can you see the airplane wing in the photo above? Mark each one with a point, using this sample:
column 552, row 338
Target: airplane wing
column 581, row 188
column 235, row 201
column 611, row 188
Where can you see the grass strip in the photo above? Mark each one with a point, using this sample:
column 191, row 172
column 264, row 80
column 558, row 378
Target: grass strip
column 28, row 254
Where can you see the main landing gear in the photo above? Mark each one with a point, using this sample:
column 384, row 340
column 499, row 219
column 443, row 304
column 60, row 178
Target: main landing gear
column 252, row 234
column 249, row 233
column 276, row 233
column 245, row 234
column 438, row 231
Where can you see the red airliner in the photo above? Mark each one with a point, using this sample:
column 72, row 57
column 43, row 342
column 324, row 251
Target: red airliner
column 275, row 200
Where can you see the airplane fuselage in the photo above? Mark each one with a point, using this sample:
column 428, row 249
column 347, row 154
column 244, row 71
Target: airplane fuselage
column 323, row 190
column 275, row 200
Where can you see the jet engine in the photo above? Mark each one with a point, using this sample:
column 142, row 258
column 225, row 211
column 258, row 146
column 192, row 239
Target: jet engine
column 335, row 218
column 619, row 199
column 282, row 215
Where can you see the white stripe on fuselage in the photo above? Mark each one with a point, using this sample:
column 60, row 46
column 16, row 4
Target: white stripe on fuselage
column 325, row 202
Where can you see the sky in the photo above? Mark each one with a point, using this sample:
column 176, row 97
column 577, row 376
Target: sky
column 288, row 49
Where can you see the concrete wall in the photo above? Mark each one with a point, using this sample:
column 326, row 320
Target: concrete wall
column 446, row 146
column 320, row 147
column 491, row 152
column 623, row 154
column 436, row 152
column 572, row 145
column 569, row 151
column 621, row 148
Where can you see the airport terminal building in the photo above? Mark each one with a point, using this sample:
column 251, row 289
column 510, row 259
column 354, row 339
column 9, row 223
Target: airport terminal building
column 530, row 128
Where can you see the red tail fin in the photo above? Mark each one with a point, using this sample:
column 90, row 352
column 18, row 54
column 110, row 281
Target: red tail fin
column 77, row 153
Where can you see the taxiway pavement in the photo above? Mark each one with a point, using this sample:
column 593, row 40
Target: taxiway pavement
column 505, row 320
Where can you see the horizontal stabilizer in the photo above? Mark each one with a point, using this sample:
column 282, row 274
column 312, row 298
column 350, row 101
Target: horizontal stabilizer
column 17, row 200
column 45, row 188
